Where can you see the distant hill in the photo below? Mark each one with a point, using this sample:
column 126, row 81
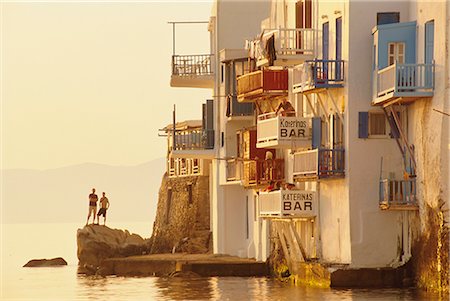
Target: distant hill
column 61, row 195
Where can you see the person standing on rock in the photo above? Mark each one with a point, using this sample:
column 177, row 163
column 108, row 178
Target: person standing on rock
column 93, row 199
column 104, row 202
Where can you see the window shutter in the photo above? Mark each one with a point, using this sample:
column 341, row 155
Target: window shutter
column 363, row 125
column 317, row 132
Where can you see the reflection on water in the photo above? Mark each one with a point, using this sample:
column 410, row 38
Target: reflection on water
column 63, row 283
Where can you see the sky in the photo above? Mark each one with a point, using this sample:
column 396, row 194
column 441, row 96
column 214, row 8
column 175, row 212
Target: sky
column 89, row 82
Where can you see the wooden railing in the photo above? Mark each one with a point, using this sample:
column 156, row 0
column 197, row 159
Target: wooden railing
column 405, row 78
column 260, row 172
column 235, row 108
column 262, row 81
column 319, row 163
column 184, row 167
column 194, row 139
column 293, row 41
column 397, row 193
column 319, row 73
column 191, row 65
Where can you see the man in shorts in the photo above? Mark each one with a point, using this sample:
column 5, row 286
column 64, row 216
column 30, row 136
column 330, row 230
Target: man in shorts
column 105, row 205
column 93, row 199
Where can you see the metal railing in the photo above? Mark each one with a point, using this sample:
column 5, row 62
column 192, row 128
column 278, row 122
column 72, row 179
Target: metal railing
column 189, row 65
column 235, row 108
column 398, row 193
column 319, row 73
column 194, row 139
column 320, row 163
column 405, row 78
column 260, row 172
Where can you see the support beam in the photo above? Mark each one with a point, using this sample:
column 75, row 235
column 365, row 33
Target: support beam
column 310, row 105
column 323, row 108
column 335, row 106
column 402, row 135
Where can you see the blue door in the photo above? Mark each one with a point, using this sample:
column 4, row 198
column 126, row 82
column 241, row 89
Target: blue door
column 338, row 75
column 429, row 52
column 325, row 44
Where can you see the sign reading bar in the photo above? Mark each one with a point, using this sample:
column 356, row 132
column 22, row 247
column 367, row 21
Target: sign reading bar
column 294, row 128
column 298, row 203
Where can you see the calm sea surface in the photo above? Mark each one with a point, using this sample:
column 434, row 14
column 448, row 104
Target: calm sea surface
column 22, row 242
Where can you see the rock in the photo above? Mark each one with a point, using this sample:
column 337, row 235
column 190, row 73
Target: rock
column 59, row 261
column 96, row 243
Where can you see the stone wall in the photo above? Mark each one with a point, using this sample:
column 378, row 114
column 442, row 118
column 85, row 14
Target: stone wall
column 182, row 218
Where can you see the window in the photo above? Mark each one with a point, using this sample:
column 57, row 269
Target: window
column 387, row 18
column 377, row 124
column 396, row 53
column 222, row 73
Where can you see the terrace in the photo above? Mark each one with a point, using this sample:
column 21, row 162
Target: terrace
column 319, row 163
column 398, row 194
column 318, row 74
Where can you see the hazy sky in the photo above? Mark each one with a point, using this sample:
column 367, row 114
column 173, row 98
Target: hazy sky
column 89, row 82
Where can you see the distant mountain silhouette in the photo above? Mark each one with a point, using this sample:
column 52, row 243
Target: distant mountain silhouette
column 61, row 195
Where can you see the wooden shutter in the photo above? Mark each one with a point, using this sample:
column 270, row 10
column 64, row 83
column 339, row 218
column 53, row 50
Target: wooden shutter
column 317, row 132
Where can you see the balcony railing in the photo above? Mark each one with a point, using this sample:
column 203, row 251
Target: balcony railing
column 234, row 170
column 404, row 80
column 318, row 74
column 237, row 109
column 260, row 84
column 288, row 202
column 194, row 140
column 287, row 46
column 261, row 172
column 398, row 194
column 319, row 163
column 191, row 65
column 283, row 131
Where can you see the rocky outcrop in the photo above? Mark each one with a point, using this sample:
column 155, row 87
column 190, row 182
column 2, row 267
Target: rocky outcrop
column 97, row 243
column 182, row 217
column 59, row 261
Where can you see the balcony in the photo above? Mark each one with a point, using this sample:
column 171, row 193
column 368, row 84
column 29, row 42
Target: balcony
column 403, row 83
column 398, row 195
column 262, row 84
column 192, row 71
column 295, row 203
column 283, row 131
column 318, row 74
column 237, row 110
column 184, row 167
column 261, row 172
column 284, row 46
column 196, row 143
column 234, row 170
column 319, row 164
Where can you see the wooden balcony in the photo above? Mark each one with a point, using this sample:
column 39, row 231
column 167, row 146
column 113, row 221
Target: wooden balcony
column 398, row 195
column 403, row 83
column 192, row 71
column 293, row 203
column 178, row 167
column 262, row 172
column 283, row 131
column 193, row 144
column 237, row 110
column 319, row 164
column 289, row 46
column 262, row 84
column 318, row 74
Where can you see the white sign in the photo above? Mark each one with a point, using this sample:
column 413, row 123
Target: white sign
column 299, row 203
column 288, row 202
column 294, row 128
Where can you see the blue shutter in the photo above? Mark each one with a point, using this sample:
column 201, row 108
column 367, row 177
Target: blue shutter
column 429, row 52
column 363, row 125
column 338, row 48
column 316, row 132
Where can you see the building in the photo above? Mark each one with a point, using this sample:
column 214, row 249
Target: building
column 338, row 104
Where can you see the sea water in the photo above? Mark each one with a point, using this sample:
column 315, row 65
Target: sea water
column 23, row 242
